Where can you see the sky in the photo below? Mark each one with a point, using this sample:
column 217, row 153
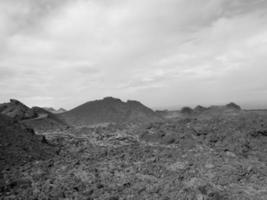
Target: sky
column 164, row 53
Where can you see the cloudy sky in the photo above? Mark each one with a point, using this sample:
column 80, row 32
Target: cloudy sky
column 165, row 53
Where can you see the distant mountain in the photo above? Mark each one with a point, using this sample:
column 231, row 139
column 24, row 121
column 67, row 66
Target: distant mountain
column 233, row 106
column 199, row 109
column 230, row 108
column 37, row 118
column 61, row 110
column 20, row 144
column 52, row 110
column 109, row 110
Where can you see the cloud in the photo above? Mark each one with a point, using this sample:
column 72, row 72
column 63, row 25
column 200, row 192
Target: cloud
column 144, row 50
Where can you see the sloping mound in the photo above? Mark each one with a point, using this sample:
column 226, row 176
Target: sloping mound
column 109, row 110
column 19, row 145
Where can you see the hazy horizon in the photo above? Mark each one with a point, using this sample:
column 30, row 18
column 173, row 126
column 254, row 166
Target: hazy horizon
column 163, row 53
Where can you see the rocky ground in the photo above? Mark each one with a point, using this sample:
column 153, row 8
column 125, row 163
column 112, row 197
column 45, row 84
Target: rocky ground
column 197, row 157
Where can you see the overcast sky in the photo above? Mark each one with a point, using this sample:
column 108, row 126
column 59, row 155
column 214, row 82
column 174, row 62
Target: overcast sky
column 164, row 53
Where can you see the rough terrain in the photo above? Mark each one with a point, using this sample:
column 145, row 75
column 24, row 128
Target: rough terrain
column 201, row 156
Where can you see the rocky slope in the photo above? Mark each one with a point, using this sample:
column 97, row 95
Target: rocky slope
column 109, row 110
column 20, row 145
column 36, row 118
column 17, row 110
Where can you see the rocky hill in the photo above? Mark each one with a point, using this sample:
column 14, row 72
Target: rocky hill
column 109, row 110
column 37, row 118
column 17, row 110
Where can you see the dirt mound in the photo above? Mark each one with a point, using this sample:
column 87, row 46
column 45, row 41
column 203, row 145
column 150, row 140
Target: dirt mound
column 17, row 110
column 109, row 110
